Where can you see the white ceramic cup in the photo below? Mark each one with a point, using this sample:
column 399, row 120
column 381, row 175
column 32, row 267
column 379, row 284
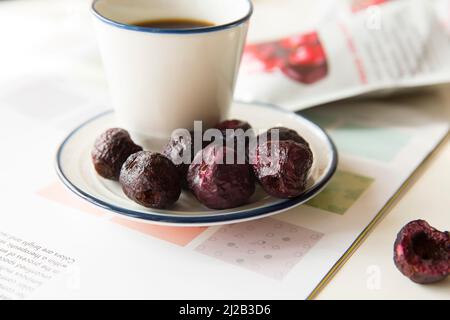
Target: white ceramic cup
column 164, row 79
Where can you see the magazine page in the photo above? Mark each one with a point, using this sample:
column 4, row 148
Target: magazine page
column 56, row 245
column 363, row 47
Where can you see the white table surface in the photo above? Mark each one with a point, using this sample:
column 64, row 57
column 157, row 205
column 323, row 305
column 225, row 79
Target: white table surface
column 370, row 272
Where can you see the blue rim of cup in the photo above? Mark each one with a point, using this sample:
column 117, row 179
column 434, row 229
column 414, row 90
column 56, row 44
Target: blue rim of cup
column 226, row 217
column 173, row 31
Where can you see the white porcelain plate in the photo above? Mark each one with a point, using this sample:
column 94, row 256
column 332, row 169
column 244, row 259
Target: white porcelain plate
column 74, row 167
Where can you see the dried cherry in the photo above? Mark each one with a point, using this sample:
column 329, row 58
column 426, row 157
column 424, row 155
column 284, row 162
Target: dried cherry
column 234, row 137
column 217, row 184
column 282, row 167
column 233, row 124
column 110, row 151
column 150, row 179
column 176, row 150
column 422, row 253
column 286, row 134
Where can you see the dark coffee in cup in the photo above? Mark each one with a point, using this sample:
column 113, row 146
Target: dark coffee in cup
column 177, row 23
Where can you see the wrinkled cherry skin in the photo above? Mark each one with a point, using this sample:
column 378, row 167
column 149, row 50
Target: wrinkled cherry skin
column 176, row 148
column 110, row 151
column 151, row 180
column 242, row 137
column 286, row 134
column 233, row 124
column 220, row 186
column 422, row 253
column 283, row 173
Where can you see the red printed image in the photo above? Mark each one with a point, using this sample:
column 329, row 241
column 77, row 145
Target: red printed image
column 358, row 5
column 300, row 57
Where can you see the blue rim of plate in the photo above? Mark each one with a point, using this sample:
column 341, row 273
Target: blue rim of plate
column 173, row 31
column 203, row 219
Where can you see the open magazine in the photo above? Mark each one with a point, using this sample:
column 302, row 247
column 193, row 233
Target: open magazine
column 56, row 245
column 361, row 47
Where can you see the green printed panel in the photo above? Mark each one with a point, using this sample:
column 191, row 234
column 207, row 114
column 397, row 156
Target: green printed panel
column 342, row 192
column 380, row 144
column 324, row 121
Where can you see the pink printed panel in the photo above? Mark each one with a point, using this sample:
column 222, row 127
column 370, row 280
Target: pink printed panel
column 177, row 235
column 58, row 193
column 267, row 246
